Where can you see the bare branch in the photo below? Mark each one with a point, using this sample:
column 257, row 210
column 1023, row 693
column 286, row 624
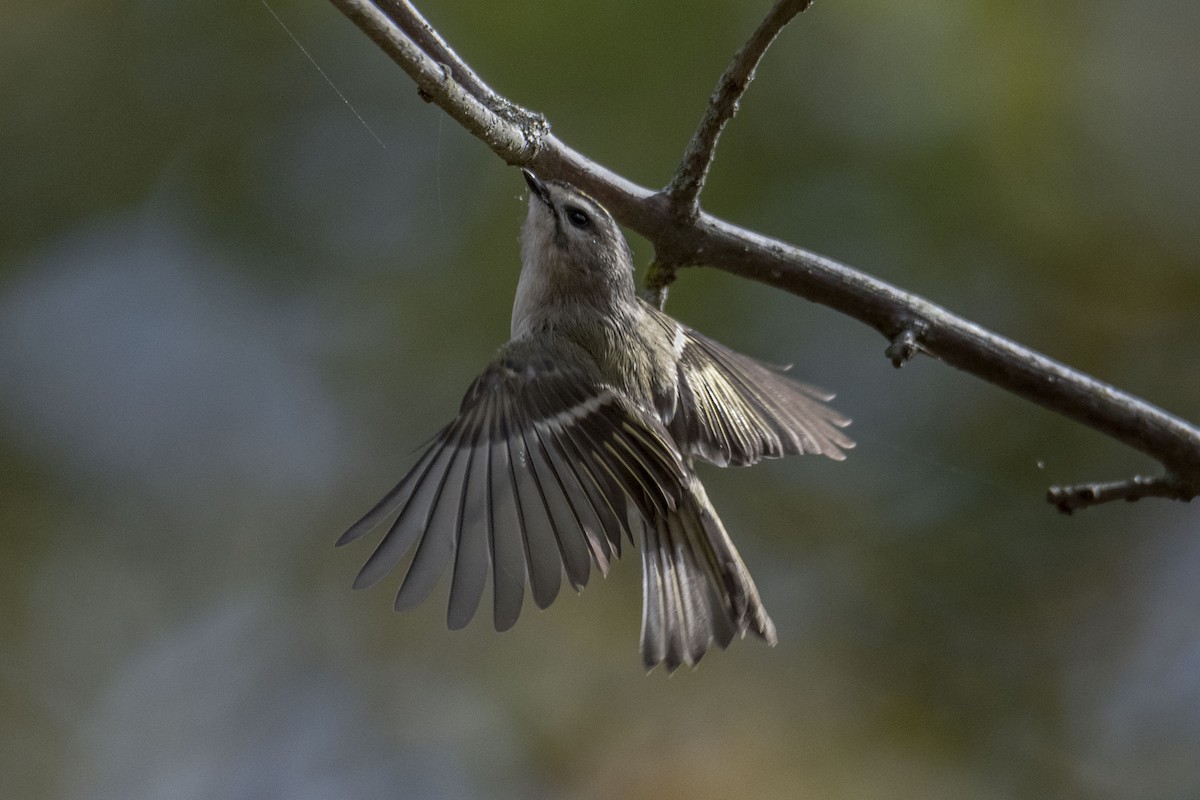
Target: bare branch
column 438, row 83
column 406, row 17
column 410, row 21
column 685, row 187
column 911, row 324
column 1073, row 498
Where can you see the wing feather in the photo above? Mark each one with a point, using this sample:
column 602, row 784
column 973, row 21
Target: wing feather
column 414, row 513
column 537, row 529
column 506, row 543
column 438, row 539
column 572, row 546
column 471, row 555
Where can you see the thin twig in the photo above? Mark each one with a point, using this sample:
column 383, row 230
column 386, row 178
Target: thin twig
column 910, row 323
column 425, row 36
column 512, row 141
column 1069, row 499
column 685, row 187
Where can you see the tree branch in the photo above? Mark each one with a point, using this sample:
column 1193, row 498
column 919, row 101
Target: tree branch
column 418, row 29
column 683, row 192
column 437, row 81
column 1069, row 499
column 685, row 187
column 911, row 324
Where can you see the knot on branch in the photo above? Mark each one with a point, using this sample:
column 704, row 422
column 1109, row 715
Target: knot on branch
column 533, row 125
column 659, row 276
column 906, row 344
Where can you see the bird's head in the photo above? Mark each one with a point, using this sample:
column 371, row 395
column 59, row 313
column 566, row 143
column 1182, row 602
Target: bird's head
column 572, row 252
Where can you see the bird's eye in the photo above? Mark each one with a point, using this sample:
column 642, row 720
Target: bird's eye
column 577, row 217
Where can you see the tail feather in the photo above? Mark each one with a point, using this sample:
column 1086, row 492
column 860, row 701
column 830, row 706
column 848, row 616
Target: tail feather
column 696, row 589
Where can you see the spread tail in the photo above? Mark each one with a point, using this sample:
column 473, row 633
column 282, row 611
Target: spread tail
column 695, row 587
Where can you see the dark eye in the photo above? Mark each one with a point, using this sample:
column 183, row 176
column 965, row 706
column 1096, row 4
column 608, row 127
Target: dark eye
column 577, row 217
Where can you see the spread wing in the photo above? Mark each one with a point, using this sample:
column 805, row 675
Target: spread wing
column 735, row 410
column 536, row 476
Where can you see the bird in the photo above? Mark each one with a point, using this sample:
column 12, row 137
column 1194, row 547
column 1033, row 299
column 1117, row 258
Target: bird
column 583, row 431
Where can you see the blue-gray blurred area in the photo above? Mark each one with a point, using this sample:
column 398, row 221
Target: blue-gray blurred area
column 234, row 302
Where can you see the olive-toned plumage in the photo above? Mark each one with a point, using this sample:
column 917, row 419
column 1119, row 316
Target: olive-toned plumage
column 582, row 432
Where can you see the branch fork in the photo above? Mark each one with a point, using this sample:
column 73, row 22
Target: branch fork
column 906, row 344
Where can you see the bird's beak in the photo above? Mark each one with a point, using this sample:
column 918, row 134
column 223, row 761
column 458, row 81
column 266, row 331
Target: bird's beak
column 537, row 187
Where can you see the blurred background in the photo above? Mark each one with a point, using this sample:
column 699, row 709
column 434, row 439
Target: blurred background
column 232, row 307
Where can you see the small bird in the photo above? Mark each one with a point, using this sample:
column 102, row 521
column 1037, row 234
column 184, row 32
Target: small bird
column 583, row 430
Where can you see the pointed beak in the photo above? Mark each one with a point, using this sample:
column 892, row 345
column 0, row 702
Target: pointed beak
column 537, row 187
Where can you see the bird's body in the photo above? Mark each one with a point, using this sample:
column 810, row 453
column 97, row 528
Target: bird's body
column 584, row 428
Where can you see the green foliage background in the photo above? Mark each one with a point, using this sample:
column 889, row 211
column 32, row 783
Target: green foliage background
column 230, row 311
